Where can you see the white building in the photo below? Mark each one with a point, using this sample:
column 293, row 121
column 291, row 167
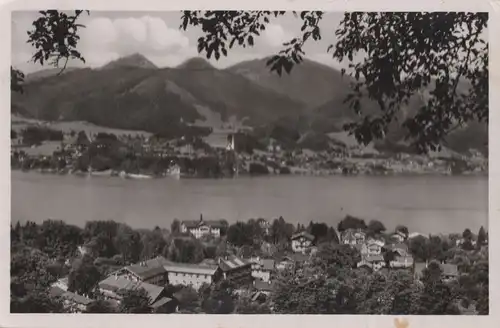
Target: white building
column 302, row 241
column 192, row 275
column 202, row 228
column 262, row 269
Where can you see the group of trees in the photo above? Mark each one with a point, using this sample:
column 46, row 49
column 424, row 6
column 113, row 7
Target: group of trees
column 36, row 135
column 335, row 286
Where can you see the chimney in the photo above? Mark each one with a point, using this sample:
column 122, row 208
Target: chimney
column 201, row 217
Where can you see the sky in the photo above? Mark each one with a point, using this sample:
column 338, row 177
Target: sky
column 156, row 35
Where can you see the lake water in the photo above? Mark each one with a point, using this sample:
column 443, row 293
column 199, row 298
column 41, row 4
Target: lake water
column 427, row 204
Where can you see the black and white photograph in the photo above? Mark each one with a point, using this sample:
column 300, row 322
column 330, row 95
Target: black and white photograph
column 249, row 162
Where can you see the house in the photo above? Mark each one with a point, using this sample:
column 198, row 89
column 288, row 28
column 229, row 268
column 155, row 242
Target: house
column 262, row 269
column 151, row 271
column 264, row 225
column 61, row 283
column 165, row 305
column 450, row 271
column 372, row 246
column 302, row 241
column 399, row 236
column 400, row 249
column 114, row 286
column 375, row 262
column 290, row 261
column 193, row 275
column 71, row 301
column 353, row 237
column 402, row 262
column 202, row 228
column 236, row 269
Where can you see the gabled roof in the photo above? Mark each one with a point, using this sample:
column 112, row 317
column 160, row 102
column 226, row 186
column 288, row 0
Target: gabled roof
column 118, row 284
column 192, row 224
column 397, row 247
column 76, row 298
column 191, row 268
column 160, row 302
column 304, row 234
column 232, row 262
column 148, row 269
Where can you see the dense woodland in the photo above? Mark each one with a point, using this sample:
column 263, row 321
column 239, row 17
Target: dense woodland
column 331, row 283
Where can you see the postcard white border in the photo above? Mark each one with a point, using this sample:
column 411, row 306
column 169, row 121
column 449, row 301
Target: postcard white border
column 236, row 321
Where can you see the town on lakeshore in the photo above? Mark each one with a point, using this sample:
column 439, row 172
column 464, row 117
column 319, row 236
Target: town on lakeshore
column 273, row 162
column 39, row 146
column 255, row 267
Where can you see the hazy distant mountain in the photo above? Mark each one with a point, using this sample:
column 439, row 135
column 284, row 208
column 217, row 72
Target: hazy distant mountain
column 44, row 73
column 136, row 61
column 132, row 93
column 129, row 93
column 310, row 82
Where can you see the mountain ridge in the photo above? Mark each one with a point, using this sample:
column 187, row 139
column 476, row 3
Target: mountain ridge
column 130, row 93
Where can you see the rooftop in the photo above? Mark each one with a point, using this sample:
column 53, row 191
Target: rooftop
column 232, row 262
column 148, row 269
column 118, row 284
column 76, row 298
column 160, row 302
column 304, row 234
column 191, row 224
column 191, row 268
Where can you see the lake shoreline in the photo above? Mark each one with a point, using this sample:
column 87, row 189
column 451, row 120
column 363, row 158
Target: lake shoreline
column 134, row 176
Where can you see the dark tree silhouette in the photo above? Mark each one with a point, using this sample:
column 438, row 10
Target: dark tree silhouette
column 406, row 53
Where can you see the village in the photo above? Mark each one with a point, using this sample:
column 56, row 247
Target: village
column 257, row 276
column 202, row 153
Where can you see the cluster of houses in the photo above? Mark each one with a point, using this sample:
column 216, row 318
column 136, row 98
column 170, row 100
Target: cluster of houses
column 154, row 274
column 251, row 274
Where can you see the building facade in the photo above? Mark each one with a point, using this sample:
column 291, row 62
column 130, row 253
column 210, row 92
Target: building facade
column 202, row 228
column 236, row 270
column 191, row 275
column 302, row 242
column 353, row 237
column 262, row 269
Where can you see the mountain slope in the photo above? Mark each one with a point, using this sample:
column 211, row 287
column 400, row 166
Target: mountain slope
column 122, row 95
column 310, row 83
column 135, row 60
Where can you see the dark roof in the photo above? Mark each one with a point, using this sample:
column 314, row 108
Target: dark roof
column 304, row 234
column 118, row 284
column 191, row 224
column 232, row 262
column 148, row 269
column 160, row 302
column 76, row 298
column 400, row 248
